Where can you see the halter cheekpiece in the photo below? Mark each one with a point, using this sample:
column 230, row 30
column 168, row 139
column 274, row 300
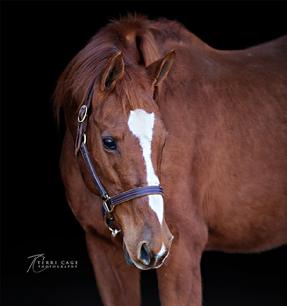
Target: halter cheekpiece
column 109, row 202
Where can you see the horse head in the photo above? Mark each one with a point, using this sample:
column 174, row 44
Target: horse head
column 125, row 136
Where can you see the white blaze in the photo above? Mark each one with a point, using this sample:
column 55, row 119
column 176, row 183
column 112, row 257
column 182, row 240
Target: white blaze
column 141, row 125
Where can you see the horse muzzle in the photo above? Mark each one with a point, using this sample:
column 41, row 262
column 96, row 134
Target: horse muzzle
column 146, row 258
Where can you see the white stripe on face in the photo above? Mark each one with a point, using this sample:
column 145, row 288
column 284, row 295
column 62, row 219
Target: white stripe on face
column 141, row 125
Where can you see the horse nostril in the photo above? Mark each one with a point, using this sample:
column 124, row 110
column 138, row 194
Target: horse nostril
column 145, row 256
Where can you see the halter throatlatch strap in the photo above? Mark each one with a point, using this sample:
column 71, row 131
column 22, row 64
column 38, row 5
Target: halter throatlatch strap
column 109, row 202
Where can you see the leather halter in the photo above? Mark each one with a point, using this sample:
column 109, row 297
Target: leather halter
column 109, row 202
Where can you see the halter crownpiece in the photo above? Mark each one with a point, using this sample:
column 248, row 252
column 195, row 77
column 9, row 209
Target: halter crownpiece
column 109, row 202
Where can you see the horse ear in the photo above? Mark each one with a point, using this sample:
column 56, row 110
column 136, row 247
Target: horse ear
column 113, row 72
column 159, row 70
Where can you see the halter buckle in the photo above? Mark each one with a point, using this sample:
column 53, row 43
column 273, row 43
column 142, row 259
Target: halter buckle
column 82, row 113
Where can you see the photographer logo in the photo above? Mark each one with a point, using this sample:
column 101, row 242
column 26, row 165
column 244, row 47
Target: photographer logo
column 38, row 263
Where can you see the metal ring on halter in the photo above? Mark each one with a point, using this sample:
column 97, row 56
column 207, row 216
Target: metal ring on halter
column 114, row 231
column 84, row 138
column 82, row 113
column 106, row 206
column 112, row 227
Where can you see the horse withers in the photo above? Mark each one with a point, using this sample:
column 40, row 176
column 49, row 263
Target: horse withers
column 174, row 148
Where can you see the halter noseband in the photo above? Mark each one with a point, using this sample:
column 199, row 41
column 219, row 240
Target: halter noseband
column 109, row 202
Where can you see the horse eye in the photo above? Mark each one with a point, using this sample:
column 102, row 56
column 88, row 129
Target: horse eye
column 109, row 143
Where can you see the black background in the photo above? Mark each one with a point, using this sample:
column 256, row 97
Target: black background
column 38, row 40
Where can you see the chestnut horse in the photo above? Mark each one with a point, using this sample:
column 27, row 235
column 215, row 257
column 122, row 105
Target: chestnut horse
column 149, row 104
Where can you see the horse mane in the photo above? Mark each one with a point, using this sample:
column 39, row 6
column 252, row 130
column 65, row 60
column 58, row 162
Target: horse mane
column 134, row 36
